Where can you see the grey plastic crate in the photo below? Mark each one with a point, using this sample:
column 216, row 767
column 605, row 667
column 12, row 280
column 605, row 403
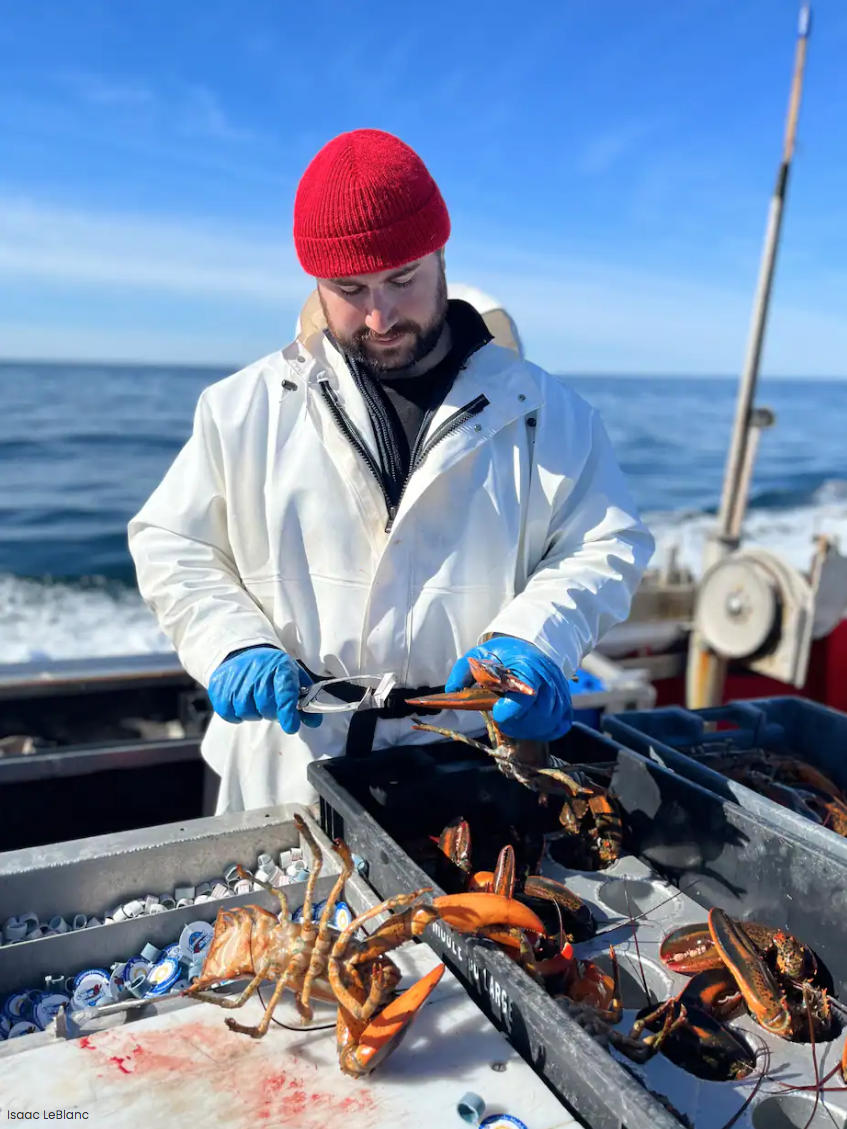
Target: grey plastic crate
column 93, row 876
column 720, row 854
column 815, row 732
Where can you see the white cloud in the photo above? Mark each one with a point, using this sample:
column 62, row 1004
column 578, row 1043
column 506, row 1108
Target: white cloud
column 100, row 90
column 203, row 115
column 576, row 313
column 591, row 316
column 144, row 344
column 605, row 150
column 52, row 245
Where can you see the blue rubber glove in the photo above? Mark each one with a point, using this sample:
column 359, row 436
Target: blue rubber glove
column 546, row 715
column 261, row 682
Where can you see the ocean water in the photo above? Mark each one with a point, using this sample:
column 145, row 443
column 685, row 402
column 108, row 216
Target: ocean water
column 82, row 446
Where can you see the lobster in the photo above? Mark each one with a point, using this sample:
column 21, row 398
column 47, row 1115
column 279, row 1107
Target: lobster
column 700, row 1043
column 692, row 948
column 574, row 916
column 529, row 762
column 313, row 960
column 554, row 966
column 780, row 997
column 596, row 1005
column 788, row 781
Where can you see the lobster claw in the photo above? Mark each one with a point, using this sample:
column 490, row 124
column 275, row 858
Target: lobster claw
column 468, row 913
column 475, row 698
column 761, row 993
column 386, row 1030
column 493, row 680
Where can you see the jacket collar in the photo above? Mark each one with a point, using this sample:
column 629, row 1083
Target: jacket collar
column 505, row 380
column 493, row 371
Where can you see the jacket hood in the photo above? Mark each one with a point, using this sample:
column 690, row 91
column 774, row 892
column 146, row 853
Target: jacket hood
column 500, row 324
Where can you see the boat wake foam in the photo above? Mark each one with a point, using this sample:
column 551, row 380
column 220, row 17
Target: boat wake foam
column 96, row 618
column 62, row 620
column 790, row 531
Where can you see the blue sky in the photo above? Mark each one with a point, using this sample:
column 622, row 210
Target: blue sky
column 607, row 165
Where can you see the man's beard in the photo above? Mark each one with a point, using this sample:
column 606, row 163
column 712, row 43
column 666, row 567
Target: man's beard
column 424, row 337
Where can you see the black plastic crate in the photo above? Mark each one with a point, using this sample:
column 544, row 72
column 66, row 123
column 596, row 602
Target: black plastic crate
column 718, row 853
column 796, row 726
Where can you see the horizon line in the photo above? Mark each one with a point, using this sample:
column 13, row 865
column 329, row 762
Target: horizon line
column 231, row 369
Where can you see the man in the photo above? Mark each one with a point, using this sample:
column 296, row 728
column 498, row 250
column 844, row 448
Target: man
column 385, row 494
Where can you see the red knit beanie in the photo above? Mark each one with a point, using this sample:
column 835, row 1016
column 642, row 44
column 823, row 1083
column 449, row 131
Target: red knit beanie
column 366, row 203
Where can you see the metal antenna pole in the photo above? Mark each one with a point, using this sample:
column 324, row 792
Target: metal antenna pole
column 706, row 670
column 735, row 462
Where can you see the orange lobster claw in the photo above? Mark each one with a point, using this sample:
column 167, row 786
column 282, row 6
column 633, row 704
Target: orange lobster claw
column 470, row 912
column 386, row 1029
column 758, row 987
column 503, row 881
column 473, row 699
column 493, row 681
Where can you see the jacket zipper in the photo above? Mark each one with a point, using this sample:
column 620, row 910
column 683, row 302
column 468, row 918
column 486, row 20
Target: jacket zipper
column 420, row 452
column 354, row 437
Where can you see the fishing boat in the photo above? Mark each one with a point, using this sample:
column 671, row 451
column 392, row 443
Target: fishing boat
column 100, row 745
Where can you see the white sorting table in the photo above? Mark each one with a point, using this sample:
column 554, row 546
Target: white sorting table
column 185, row 1067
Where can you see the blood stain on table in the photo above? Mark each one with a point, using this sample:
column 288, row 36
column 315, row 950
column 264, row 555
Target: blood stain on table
column 232, row 1067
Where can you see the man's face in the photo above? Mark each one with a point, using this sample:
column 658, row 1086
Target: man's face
column 388, row 320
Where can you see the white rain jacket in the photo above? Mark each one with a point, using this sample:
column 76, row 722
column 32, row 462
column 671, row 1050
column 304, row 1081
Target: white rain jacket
column 269, row 528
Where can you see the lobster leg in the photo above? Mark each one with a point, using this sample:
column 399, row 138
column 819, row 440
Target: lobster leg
column 640, row 1050
column 633, row 1046
column 495, row 737
column 452, row 734
column 301, row 957
column 614, row 1011
column 662, row 1009
column 390, row 935
column 600, row 1020
column 501, row 749
column 314, row 870
column 521, row 761
column 324, row 941
column 264, row 1023
column 347, row 868
column 299, row 962
column 209, row 997
column 284, row 912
